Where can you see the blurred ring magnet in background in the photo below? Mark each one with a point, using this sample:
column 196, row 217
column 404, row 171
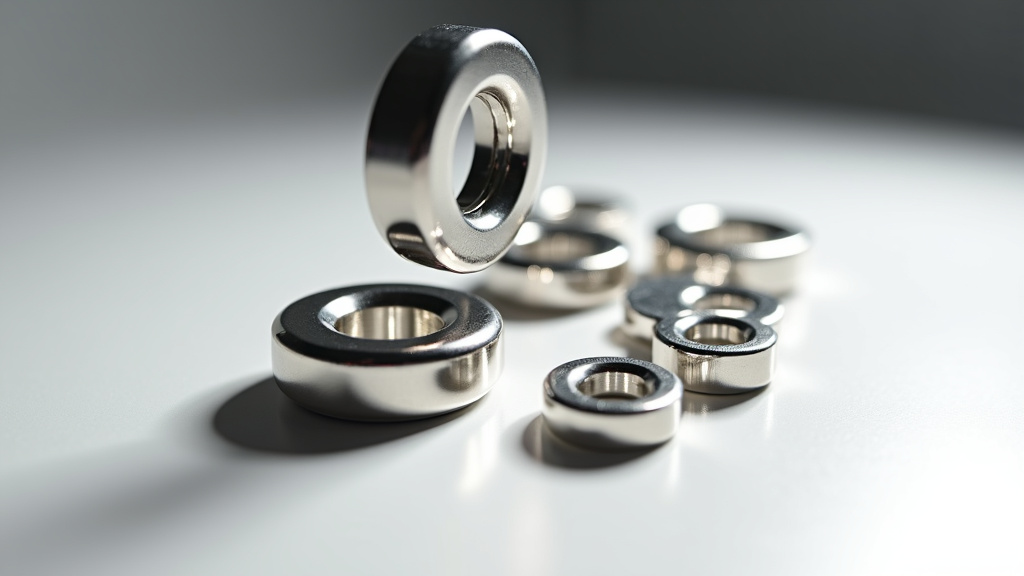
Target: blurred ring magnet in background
column 722, row 248
column 561, row 267
column 653, row 299
column 387, row 352
column 410, row 146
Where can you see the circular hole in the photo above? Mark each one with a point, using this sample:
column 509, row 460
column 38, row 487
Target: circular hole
column 462, row 156
column 725, row 301
column 733, row 232
column 718, row 334
column 614, row 386
column 389, row 323
column 558, row 247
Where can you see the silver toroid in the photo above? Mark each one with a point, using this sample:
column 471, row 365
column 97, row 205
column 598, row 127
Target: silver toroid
column 387, row 352
column 612, row 403
column 652, row 299
column 715, row 354
column 718, row 247
column 561, row 267
column 410, row 146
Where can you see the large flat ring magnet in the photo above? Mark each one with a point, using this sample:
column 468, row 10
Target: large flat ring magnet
column 718, row 247
column 590, row 210
column 612, row 403
column 652, row 299
column 715, row 354
column 411, row 142
column 560, row 267
column 387, row 352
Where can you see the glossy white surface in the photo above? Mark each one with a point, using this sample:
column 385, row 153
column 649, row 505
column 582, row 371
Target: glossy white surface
column 141, row 268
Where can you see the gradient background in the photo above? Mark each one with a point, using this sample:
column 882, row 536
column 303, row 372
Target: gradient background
column 173, row 174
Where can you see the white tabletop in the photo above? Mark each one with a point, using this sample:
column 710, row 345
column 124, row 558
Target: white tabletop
column 141, row 432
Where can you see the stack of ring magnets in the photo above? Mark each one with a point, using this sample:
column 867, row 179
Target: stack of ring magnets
column 411, row 141
column 387, row 352
column 715, row 354
column 610, row 403
column 719, row 247
column 591, row 210
column 552, row 266
column 653, row 298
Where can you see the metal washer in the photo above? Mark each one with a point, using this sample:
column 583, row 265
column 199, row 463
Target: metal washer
column 387, row 352
column 652, row 299
column 610, row 403
column 413, row 128
column 732, row 355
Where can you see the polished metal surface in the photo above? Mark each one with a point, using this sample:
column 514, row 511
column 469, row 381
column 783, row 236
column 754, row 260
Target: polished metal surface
column 653, row 298
column 387, row 352
column 560, row 267
column 715, row 354
column 409, row 176
column 611, row 403
column 585, row 209
column 719, row 247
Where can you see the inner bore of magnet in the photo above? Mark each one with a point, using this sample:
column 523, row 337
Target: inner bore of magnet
column 389, row 323
column 724, row 301
column 558, row 247
column 492, row 146
column 614, row 386
column 718, row 334
column 732, row 232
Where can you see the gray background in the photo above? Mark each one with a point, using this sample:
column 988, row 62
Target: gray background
column 65, row 65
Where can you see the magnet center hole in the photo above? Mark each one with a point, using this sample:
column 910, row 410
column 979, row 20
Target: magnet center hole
column 615, row 386
column 725, row 301
column 389, row 323
column 558, row 247
column 732, row 232
column 718, row 334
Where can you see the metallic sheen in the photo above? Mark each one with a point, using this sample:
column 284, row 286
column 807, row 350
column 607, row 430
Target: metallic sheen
column 652, row 299
column 611, row 403
column 719, row 247
column 387, row 352
column 715, row 354
column 409, row 150
column 560, row 267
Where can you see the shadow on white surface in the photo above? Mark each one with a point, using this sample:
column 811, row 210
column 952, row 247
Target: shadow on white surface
column 261, row 417
column 630, row 346
column 544, row 447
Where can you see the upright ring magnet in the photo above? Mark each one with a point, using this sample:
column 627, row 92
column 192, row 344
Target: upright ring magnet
column 387, row 352
column 718, row 247
column 409, row 176
column 610, row 403
column 652, row 299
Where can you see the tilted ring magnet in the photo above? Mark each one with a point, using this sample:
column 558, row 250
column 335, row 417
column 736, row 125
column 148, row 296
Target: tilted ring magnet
column 612, row 403
column 411, row 142
column 652, row 299
column 715, row 354
column 722, row 248
column 387, row 352
column 560, row 267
